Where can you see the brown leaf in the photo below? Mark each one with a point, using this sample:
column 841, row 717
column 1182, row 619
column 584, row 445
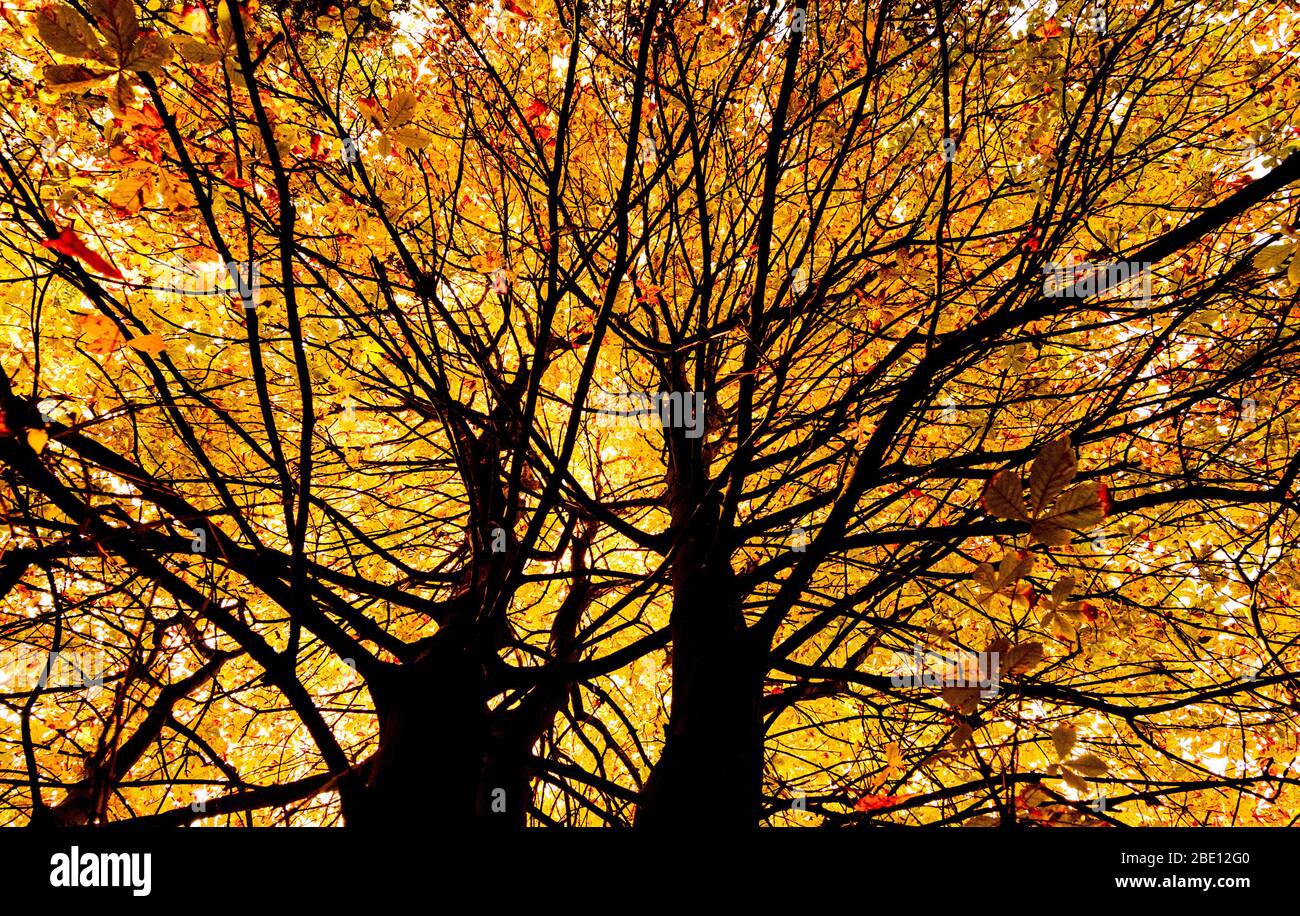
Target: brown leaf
column 999, row 647
column 196, row 52
column 63, row 30
column 150, row 53
column 1004, row 496
column 1050, row 534
column 1089, row 765
column 962, row 699
column 118, row 22
column 1053, row 470
column 69, row 77
column 1078, row 508
column 1022, row 658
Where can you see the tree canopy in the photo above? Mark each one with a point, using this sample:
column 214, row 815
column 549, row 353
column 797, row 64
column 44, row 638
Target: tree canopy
column 569, row 412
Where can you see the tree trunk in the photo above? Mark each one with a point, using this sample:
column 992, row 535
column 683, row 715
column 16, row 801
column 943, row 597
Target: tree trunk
column 711, row 770
column 433, row 739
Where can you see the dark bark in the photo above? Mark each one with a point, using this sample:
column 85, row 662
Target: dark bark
column 433, row 736
column 711, row 768
column 710, row 772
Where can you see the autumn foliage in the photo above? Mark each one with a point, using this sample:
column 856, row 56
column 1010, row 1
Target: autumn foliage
column 311, row 319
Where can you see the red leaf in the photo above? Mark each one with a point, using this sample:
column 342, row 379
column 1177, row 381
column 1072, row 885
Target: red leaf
column 876, row 802
column 1103, row 497
column 69, row 244
column 1050, row 29
column 234, row 180
column 536, row 108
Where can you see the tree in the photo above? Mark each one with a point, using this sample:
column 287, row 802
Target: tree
column 689, row 414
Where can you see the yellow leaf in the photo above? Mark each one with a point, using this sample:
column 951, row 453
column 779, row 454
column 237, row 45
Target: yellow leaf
column 176, row 192
column 1074, row 781
column 1273, row 256
column 1063, row 739
column 153, row 344
column 410, row 137
column 133, row 191
column 401, row 108
column 1293, row 272
column 37, row 438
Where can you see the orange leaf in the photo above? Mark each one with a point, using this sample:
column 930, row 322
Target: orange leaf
column 68, row 243
column 153, row 344
column 99, row 334
column 536, row 109
column 876, row 802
